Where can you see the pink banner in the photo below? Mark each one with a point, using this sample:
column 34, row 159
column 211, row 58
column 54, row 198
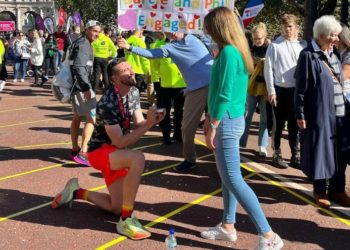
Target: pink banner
column 7, row 25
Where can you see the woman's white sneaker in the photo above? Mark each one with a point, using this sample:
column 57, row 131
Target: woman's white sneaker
column 275, row 243
column 219, row 233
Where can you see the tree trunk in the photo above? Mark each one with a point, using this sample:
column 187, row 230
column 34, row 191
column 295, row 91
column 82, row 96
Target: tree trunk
column 344, row 11
column 310, row 17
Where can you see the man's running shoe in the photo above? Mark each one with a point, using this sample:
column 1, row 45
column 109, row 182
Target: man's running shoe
column 132, row 229
column 82, row 159
column 66, row 196
column 74, row 153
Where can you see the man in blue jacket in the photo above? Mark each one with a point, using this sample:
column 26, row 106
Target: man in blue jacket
column 194, row 60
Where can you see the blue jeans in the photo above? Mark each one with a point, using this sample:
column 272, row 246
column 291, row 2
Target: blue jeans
column 234, row 188
column 20, row 62
column 59, row 57
column 250, row 109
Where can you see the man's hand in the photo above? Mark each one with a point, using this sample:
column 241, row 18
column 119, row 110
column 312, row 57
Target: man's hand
column 154, row 117
column 122, row 43
column 273, row 100
column 87, row 95
column 301, row 124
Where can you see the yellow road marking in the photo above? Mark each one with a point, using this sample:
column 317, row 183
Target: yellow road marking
column 26, row 97
column 35, row 170
column 31, row 122
column 37, row 145
column 168, row 215
column 59, row 165
column 278, row 184
column 2, row 219
column 19, row 109
column 295, row 194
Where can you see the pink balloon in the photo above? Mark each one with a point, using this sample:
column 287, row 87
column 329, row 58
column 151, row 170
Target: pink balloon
column 127, row 20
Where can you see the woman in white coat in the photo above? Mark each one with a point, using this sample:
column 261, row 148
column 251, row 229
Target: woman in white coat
column 37, row 57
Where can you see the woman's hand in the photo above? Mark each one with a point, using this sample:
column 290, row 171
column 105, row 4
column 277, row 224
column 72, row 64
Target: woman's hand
column 210, row 137
column 206, row 125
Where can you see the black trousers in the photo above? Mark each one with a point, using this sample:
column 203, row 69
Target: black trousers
column 36, row 73
column 158, row 95
column 100, row 65
column 50, row 62
column 3, row 71
column 169, row 96
column 140, row 82
column 284, row 112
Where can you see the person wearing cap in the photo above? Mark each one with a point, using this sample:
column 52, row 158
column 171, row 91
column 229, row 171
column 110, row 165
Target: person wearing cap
column 104, row 49
column 83, row 95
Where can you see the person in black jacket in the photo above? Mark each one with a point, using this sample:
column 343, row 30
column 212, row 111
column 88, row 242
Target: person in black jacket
column 83, row 96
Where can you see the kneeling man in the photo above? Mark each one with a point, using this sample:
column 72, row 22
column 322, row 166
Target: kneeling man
column 122, row 168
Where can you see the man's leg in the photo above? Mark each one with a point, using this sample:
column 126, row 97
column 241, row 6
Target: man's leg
column 179, row 100
column 281, row 114
column 195, row 102
column 86, row 109
column 165, row 124
column 87, row 133
column 96, row 74
column 104, row 66
column 74, row 131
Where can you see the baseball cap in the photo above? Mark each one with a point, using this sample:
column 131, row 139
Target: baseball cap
column 92, row 23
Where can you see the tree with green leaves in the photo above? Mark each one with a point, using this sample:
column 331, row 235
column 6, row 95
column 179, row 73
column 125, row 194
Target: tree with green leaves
column 104, row 11
column 308, row 11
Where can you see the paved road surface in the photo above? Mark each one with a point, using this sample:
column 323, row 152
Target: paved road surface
column 35, row 143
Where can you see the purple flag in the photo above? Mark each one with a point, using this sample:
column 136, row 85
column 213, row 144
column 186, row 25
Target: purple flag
column 77, row 18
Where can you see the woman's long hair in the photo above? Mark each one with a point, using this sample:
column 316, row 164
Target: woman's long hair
column 225, row 28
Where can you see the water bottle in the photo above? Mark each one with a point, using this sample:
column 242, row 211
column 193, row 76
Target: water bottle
column 170, row 240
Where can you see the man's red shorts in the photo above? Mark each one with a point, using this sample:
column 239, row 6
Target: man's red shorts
column 99, row 159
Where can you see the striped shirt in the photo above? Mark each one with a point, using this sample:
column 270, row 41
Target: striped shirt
column 338, row 87
column 334, row 67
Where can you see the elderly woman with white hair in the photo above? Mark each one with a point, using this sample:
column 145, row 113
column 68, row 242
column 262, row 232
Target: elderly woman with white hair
column 321, row 114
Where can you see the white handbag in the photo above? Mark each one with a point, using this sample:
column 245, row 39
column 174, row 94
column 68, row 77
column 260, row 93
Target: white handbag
column 25, row 55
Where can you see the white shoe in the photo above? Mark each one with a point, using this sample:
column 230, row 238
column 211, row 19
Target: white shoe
column 263, row 152
column 22, row 80
column 219, row 233
column 2, row 85
column 14, row 80
column 275, row 243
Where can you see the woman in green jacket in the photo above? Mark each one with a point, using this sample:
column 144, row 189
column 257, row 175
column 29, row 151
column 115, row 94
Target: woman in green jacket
column 225, row 126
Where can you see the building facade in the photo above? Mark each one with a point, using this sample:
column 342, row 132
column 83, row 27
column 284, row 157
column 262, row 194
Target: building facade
column 17, row 10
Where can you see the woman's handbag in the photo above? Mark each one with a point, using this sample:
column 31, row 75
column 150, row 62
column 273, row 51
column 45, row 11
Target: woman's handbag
column 256, row 88
column 25, row 55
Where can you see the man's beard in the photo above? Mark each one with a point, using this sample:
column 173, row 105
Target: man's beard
column 129, row 82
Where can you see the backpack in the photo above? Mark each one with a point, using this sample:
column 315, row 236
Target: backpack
column 62, row 84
